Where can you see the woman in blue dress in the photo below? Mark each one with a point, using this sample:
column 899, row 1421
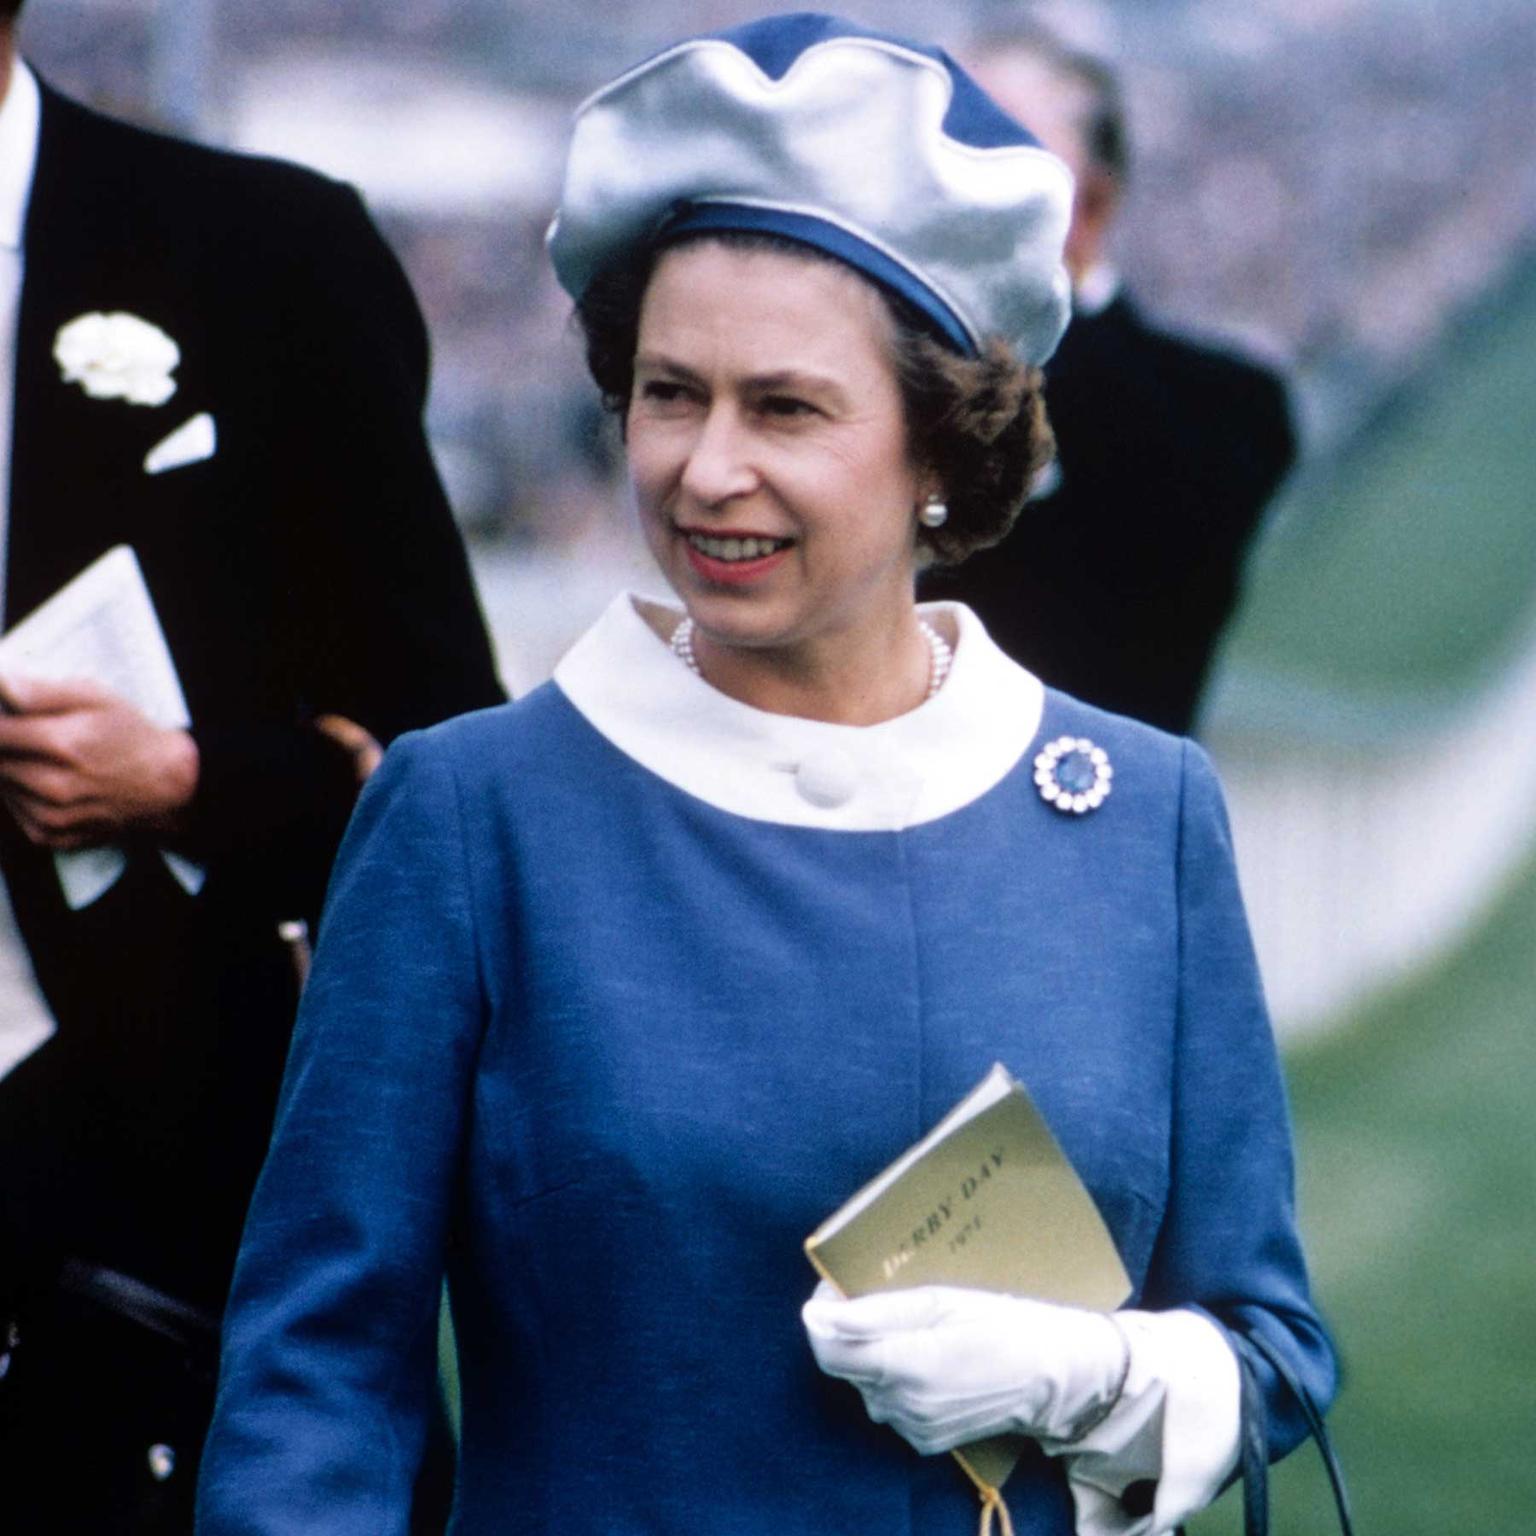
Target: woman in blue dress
column 624, row 987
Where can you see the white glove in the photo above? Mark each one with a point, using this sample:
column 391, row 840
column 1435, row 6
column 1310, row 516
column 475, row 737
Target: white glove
column 945, row 1366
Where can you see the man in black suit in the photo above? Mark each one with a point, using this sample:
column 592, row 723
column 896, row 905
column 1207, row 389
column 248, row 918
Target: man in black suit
column 217, row 362
column 1123, row 568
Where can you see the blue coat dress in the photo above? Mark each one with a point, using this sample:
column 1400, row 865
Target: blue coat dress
column 620, row 991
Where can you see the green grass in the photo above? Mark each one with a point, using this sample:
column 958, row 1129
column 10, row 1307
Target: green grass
column 1418, row 1188
column 1409, row 567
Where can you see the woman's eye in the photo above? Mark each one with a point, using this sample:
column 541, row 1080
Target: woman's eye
column 661, row 391
column 787, row 406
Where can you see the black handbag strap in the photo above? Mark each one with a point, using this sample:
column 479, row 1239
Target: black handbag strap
column 1254, row 1455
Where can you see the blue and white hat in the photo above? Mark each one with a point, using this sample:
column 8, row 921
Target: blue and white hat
column 879, row 151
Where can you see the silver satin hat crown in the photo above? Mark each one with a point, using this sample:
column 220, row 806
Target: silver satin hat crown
column 881, row 151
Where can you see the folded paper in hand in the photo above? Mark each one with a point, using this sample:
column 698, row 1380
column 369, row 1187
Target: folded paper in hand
column 102, row 626
column 987, row 1199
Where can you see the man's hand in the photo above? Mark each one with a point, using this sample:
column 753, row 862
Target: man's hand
column 80, row 766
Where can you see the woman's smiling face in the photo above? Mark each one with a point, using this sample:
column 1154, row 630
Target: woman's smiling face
column 768, row 448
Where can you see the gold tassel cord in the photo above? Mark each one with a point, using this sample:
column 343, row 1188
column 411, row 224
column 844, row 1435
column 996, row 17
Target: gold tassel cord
column 992, row 1507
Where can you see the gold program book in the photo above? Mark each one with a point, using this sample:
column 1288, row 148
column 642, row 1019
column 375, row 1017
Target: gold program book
column 986, row 1199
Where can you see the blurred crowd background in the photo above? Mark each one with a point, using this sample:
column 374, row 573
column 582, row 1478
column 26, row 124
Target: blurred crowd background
column 1344, row 187
column 1331, row 181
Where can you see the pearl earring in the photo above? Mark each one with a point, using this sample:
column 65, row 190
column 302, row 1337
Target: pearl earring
column 933, row 513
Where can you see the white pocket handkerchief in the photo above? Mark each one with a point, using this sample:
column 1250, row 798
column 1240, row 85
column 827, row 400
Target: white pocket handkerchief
column 191, row 443
column 87, row 874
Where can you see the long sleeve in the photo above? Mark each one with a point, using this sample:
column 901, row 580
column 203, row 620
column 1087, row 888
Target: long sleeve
column 1229, row 1242
column 310, row 563
column 383, row 625
column 329, row 1349
column 1228, row 1260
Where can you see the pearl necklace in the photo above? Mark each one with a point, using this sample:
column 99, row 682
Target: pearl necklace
column 941, row 655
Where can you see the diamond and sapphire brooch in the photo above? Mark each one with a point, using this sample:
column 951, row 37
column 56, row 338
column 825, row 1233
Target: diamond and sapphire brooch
column 1073, row 774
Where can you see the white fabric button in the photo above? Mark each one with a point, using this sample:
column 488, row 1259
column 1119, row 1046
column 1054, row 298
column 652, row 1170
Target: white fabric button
column 827, row 778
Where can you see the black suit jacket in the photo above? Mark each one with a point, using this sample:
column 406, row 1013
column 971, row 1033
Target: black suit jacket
column 1115, row 584
column 311, row 565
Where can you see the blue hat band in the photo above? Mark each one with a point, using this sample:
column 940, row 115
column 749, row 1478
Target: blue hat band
column 833, row 240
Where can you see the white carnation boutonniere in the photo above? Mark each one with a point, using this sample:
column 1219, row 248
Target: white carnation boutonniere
column 117, row 357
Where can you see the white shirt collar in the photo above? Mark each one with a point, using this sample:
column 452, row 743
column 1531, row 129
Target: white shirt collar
column 807, row 773
column 1095, row 291
column 20, row 117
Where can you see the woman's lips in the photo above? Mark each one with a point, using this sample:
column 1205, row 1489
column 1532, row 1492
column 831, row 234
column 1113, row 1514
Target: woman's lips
column 732, row 559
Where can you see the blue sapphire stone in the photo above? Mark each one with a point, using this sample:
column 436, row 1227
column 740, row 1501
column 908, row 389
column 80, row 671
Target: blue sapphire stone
column 1075, row 773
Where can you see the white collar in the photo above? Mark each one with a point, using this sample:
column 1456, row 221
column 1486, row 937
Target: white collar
column 20, row 117
column 1095, row 291
column 805, row 773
